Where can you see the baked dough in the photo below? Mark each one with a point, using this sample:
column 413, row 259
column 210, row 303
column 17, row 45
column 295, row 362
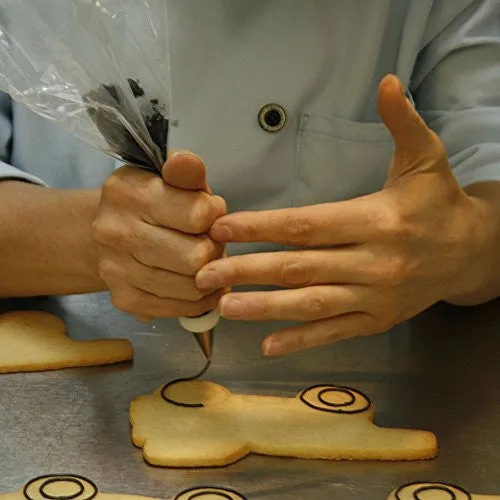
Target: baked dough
column 210, row 493
column 210, row 426
column 36, row 341
column 435, row 491
column 74, row 487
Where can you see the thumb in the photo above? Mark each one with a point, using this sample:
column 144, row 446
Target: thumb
column 185, row 170
column 415, row 143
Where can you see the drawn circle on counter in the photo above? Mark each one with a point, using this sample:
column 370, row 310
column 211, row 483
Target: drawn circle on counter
column 74, row 488
column 335, row 399
column 210, row 493
column 417, row 491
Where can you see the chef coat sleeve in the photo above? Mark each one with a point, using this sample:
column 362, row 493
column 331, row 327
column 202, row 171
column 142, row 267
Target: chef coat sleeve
column 456, row 86
column 7, row 171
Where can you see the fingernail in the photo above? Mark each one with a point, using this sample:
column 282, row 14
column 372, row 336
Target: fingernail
column 220, row 232
column 184, row 153
column 271, row 348
column 231, row 307
column 209, row 280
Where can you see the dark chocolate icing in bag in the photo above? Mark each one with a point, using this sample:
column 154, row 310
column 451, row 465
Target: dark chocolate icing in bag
column 106, row 107
column 98, row 69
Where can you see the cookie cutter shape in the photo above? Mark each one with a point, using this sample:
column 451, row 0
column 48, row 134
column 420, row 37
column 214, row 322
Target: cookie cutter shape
column 214, row 427
column 210, row 493
column 32, row 341
column 435, row 491
column 76, row 487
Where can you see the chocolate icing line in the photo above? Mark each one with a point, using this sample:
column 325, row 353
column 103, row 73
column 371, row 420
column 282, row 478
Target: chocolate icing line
column 57, row 480
column 198, row 491
column 321, row 399
column 416, row 493
column 80, row 481
column 430, row 486
column 220, row 494
column 189, row 379
column 335, row 407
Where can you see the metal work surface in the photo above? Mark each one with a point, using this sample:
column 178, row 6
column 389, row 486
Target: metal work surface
column 441, row 372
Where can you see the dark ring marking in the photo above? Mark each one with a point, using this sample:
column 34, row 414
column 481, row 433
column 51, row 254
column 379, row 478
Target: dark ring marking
column 445, row 487
column 80, row 481
column 190, row 379
column 220, row 494
column 81, row 488
column 224, row 493
column 416, row 493
column 335, row 407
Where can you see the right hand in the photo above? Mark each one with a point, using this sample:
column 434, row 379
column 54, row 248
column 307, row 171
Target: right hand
column 151, row 234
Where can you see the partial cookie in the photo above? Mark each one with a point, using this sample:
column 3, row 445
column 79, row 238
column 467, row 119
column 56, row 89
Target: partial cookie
column 210, row 493
column 434, row 491
column 198, row 423
column 73, row 487
column 36, row 341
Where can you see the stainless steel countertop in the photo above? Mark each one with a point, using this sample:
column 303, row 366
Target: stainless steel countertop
column 440, row 372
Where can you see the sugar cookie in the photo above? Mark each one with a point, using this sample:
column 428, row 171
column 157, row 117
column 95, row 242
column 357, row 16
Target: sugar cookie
column 209, row 493
column 434, row 491
column 210, row 426
column 36, row 341
column 74, row 487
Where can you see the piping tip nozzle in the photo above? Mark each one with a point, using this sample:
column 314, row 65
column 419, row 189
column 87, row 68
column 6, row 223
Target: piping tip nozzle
column 205, row 341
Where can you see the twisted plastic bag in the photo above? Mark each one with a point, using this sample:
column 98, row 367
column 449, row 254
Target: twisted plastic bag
column 98, row 68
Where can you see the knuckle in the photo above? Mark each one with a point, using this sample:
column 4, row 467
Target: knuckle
column 298, row 230
column 389, row 221
column 200, row 216
column 392, row 223
column 130, row 188
column 112, row 186
column 200, row 254
column 125, row 301
column 220, row 206
column 316, row 306
column 392, row 271
column 109, row 270
column 140, row 196
column 109, row 232
column 116, row 187
column 295, row 273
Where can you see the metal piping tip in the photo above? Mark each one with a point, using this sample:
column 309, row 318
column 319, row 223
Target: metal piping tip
column 205, row 341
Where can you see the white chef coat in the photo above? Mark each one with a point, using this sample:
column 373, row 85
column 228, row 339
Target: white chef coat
column 320, row 61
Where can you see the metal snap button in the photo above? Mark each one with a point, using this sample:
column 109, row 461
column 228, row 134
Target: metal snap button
column 272, row 118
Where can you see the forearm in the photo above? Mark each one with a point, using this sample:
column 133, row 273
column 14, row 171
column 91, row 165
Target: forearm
column 45, row 241
column 487, row 196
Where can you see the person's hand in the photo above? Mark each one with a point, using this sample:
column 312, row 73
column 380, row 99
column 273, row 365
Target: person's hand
column 364, row 265
column 151, row 236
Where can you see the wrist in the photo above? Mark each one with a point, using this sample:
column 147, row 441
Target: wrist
column 47, row 248
column 477, row 281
